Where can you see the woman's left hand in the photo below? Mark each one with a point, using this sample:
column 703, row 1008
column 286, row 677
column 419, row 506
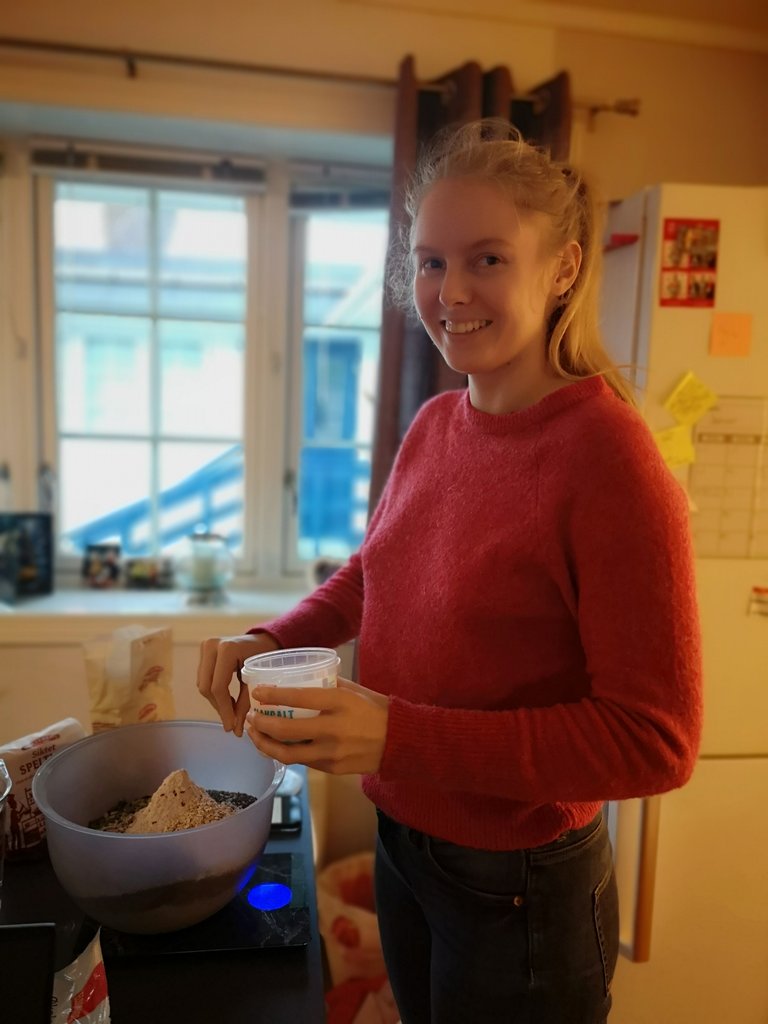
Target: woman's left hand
column 347, row 736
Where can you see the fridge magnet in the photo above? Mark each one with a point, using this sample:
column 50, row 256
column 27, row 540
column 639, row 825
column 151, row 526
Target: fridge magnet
column 688, row 262
column 690, row 399
column 101, row 565
column 731, row 334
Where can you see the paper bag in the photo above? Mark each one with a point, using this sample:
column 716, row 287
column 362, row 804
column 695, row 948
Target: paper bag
column 129, row 677
column 25, row 824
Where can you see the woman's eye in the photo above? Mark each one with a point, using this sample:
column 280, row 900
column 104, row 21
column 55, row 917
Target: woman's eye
column 430, row 263
column 489, row 261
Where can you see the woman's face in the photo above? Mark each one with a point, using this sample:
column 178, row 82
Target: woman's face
column 485, row 282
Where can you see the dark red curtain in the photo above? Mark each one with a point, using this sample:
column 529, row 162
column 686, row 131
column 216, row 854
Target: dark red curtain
column 411, row 369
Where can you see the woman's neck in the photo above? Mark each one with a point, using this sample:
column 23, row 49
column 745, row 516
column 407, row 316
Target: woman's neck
column 512, row 392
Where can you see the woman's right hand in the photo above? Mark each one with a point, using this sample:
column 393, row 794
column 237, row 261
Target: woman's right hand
column 221, row 658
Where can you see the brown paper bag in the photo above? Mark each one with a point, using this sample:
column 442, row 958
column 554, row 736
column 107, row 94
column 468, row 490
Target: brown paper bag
column 129, row 675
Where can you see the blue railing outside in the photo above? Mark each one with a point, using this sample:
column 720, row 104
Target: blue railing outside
column 332, row 480
column 127, row 526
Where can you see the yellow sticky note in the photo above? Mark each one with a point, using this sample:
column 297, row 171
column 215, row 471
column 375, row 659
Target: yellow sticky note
column 676, row 446
column 731, row 334
column 690, row 399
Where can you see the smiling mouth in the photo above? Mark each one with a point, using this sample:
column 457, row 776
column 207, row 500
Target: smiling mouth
column 464, row 326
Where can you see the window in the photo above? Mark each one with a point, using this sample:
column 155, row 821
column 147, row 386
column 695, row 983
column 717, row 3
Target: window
column 339, row 308
column 158, row 302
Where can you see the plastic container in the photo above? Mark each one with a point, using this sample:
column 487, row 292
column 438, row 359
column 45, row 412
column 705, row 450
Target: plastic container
column 160, row 882
column 295, row 666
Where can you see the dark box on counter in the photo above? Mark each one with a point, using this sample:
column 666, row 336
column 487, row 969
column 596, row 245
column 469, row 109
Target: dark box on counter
column 26, row 554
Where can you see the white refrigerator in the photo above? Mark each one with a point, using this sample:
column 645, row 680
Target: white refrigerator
column 686, row 301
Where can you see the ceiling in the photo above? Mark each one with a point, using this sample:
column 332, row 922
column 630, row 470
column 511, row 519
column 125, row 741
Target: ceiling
column 737, row 14
column 730, row 24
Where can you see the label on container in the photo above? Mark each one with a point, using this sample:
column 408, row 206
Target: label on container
column 283, row 711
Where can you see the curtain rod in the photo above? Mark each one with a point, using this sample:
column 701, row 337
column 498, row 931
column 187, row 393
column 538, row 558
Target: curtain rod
column 131, row 59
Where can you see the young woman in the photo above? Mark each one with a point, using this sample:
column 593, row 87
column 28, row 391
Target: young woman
column 525, row 606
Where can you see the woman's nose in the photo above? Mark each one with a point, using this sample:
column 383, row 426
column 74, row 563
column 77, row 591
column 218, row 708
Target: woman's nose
column 454, row 288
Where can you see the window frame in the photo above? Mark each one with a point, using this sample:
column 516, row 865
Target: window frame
column 272, row 358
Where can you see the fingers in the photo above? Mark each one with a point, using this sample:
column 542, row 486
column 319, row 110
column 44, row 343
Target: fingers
column 310, row 754
column 290, row 741
column 206, row 673
column 284, row 730
column 242, row 707
column 220, row 659
column 378, row 698
column 205, row 665
column 314, row 698
column 224, row 667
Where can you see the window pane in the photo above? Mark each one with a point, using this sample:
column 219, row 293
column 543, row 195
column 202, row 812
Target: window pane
column 179, row 258
column 201, row 378
column 202, row 256
column 333, row 500
column 103, row 374
column 343, row 274
column 345, row 268
column 101, row 255
column 340, row 370
column 201, row 485
column 104, row 494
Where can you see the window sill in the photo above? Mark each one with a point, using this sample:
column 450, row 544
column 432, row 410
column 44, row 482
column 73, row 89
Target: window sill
column 67, row 616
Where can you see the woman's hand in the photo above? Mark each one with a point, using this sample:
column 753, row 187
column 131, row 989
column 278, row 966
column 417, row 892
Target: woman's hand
column 347, row 736
column 221, row 658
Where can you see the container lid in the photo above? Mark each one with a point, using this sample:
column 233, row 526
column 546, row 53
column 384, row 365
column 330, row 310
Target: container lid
column 294, row 663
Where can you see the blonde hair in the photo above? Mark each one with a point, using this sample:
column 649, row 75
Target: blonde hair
column 492, row 150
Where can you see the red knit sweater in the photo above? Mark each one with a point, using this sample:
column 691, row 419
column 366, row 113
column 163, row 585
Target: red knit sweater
column 525, row 596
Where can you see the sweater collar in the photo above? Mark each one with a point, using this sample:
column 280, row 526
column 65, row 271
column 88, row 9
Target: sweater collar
column 538, row 413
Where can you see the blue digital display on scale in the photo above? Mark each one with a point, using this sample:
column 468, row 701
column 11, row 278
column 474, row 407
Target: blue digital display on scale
column 269, row 896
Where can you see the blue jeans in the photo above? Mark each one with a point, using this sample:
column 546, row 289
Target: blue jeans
column 496, row 937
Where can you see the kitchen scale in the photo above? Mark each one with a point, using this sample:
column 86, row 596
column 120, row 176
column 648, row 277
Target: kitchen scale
column 270, row 911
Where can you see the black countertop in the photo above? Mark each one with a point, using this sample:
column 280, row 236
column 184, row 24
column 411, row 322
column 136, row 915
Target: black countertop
column 250, row 986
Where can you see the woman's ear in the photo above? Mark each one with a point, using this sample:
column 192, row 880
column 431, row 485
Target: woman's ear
column 568, row 268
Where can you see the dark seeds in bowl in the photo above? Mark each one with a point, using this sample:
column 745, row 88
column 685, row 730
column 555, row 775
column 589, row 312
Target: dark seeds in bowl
column 237, row 800
column 119, row 817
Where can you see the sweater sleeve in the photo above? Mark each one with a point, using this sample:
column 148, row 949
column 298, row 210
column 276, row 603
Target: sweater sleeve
column 327, row 617
column 629, row 564
column 332, row 614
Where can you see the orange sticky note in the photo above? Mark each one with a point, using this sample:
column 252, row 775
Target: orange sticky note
column 731, row 334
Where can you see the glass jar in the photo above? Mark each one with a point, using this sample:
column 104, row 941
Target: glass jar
column 205, row 567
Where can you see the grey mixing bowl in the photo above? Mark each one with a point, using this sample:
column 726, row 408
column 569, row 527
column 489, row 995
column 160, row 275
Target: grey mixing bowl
column 144, row 883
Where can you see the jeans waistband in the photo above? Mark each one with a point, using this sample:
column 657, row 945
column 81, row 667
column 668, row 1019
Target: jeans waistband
column 573, row 835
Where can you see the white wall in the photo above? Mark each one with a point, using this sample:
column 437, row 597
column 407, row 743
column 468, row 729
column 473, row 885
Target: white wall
column 701, row 112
